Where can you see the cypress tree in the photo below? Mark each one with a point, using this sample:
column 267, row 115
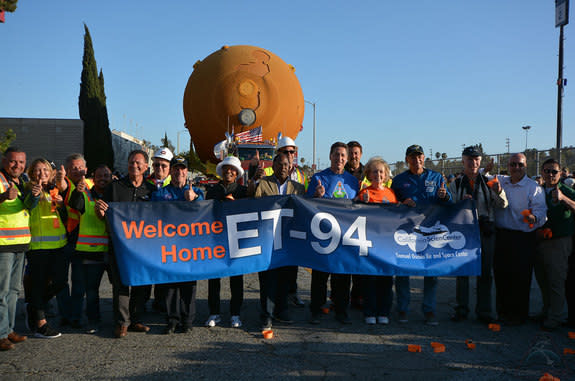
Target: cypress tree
column 93, row 111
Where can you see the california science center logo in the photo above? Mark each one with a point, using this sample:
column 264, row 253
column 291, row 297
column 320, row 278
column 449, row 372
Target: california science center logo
column 436, row 236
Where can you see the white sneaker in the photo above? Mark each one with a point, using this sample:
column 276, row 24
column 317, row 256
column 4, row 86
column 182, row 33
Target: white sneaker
column 370, row 320
column 383, row 320
column 213, row 320
column 235, row 321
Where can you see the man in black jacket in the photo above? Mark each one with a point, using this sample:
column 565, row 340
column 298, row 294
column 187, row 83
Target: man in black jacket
column 128, row 302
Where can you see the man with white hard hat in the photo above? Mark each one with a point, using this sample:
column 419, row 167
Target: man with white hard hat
column 161, row 164
column 160, row 178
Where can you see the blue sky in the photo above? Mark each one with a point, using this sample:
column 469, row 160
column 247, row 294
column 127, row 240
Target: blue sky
column 386, row 73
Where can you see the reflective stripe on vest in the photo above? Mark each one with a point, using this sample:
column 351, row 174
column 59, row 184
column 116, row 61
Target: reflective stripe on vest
column 73, row 215
column 14, row 219
column 92, row 236
column 49, row 238
column 46, row 227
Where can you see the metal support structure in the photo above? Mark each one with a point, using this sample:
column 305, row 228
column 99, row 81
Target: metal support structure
column 313, row 155
column 560, row 97
column 178, row 141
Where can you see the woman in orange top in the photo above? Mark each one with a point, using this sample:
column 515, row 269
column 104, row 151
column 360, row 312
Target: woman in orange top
column 377, row 290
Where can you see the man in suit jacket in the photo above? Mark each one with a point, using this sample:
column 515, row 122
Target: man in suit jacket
column 274, row 283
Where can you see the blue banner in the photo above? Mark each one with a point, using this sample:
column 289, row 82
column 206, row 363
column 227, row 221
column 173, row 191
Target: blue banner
column 165, row 242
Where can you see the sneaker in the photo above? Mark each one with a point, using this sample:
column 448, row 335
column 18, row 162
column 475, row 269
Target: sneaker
column 213, row 320
column 370, row 320
column 431, row 319
column 235, row 321
column 383, row 320
column 46, row 332
column 402, row 317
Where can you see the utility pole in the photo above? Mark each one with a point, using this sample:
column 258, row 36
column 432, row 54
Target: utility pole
column 507, row 144
column 313, row 155
column 526, row 128
column 561, row 19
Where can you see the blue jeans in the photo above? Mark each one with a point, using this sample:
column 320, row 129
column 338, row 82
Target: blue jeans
column 403, row 293
column 86, row 280
column 11, row 268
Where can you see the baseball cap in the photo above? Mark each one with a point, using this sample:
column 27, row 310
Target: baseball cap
column 471, row 151
column 163, row 153
column 178, row 160
column 414, row 149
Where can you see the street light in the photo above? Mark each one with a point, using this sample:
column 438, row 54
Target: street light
column 313, row 155
column 526, row 128
column 178, row 139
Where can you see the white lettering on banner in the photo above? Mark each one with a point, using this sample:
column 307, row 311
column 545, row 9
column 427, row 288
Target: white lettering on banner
column 276, row 215
column 234, row 235
column 334, row 234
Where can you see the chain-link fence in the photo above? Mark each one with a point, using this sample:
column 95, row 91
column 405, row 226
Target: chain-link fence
column 535, row 159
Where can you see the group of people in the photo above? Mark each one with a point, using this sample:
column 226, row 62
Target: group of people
column 54, row 220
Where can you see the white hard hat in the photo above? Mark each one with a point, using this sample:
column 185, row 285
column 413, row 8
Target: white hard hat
column 234, row 162
column 163, row 153
column 285, row 141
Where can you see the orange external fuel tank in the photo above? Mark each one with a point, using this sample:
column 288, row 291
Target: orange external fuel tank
column 238, row 88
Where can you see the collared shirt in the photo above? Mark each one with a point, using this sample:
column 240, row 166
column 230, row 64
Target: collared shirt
column 525, row 194
column 172, row 193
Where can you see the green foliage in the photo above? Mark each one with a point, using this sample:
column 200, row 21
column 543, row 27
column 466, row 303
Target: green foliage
column 167, row 143
column 93, row 111
column 7, row 139
column 8, row 5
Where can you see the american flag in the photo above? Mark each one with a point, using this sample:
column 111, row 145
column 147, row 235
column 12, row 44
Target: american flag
column 250, row 136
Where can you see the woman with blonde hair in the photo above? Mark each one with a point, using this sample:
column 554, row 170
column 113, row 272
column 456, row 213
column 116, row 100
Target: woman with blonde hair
column 377, row 290
column 46, row 261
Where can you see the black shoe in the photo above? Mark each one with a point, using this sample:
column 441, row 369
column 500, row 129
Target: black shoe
column 315, row 318
column 284, row 318
column 266, row 324
column 170, row 329
column 46, row 332
column 343, row 318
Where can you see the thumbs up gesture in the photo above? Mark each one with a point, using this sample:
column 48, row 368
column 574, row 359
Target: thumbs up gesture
column 60, row 179
column 189, row 194
column 36, row 189
column 82, row 186
column 442, row 192
column 319, row 189
column 12, row 192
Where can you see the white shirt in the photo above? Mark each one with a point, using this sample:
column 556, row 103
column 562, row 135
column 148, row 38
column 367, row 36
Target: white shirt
column 525, row 194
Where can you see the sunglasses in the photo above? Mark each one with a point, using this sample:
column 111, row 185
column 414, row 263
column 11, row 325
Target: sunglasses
column 291, row 152
column 550, row 171
column 158, row 165
column 515, row 164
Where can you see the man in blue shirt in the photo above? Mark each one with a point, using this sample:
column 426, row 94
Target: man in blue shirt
column 180, row 297
column 333, row 182
column 418, row 185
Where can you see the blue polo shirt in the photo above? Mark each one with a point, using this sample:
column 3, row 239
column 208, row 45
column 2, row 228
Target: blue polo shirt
column 171, row 193
column 420, row 188
column 344, row 185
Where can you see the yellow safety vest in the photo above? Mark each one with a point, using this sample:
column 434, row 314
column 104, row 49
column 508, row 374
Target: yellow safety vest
column 92, row 236
column 151, row 179
column 73, row 215
column 48, row 231
column 14, row 219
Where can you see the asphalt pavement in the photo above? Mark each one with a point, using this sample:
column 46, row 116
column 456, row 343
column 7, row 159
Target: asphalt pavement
column 329, row 350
